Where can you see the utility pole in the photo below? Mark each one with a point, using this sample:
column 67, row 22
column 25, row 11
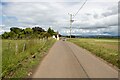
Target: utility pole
column 71, row 21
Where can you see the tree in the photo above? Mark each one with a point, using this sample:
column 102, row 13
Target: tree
column 46, row 35
column 28, row 32
column 5, row 35
column 21, row 35
column 16, row 30
column 13, row 35
column 37, row 30
column 42, row 34
column 50, row 31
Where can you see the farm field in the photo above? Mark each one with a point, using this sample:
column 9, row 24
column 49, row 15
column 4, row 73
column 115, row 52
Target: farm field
column 106, row 49
column 20, row 56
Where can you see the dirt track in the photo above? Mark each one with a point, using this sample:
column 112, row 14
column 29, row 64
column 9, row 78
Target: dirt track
column 66, row 60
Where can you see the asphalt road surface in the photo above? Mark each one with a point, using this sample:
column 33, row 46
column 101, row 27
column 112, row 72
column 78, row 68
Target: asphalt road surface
column 67, row 60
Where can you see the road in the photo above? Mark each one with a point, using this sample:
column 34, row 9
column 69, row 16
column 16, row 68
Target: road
column 67, row 60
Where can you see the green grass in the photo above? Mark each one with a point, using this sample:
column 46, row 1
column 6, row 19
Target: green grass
column 16, row 62
column 107, row 49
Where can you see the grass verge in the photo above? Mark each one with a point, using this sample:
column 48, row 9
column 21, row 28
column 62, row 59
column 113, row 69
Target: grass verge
column 100, row 48
column 20, row 56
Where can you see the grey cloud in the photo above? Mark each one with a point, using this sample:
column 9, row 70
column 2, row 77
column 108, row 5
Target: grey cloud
column 88, row 14
column 56, row 15
column 36, row 14
column 93, row 28
column 41, row 1
column 111, row 11
column 95, row 15
column 68, row 4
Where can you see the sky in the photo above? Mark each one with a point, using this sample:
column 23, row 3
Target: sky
column 97, row 17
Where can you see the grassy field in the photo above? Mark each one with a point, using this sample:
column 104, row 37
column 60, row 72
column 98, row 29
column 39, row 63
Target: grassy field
column 20, row 56
column 107, row 49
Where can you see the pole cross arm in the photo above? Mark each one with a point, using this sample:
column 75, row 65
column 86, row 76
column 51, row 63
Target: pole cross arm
column 71, row 21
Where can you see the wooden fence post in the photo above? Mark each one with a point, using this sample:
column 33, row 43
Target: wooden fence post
column 24, row 47
column 16, row 48
column 9, row 45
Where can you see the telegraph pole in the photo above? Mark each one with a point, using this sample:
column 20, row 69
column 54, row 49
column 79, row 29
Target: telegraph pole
column 71, row 21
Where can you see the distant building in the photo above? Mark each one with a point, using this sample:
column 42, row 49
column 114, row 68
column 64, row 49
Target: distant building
column 58, row 35
column 54, row 37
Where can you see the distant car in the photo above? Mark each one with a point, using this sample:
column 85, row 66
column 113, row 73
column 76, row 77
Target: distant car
column 64, row 39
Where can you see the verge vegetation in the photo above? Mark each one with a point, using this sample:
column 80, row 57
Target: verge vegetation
column 106, row 49
column 20, row 56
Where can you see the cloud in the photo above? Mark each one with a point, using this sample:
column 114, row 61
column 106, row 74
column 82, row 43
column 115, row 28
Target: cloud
column 106, row 25
column 111, row 11
column 57, row 0
column 94, row 18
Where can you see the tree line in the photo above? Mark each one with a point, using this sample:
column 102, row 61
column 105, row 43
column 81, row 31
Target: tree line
column 28, row 33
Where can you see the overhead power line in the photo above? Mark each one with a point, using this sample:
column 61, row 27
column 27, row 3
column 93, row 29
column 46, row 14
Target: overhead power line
column 79, row 9
column 73, row 16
